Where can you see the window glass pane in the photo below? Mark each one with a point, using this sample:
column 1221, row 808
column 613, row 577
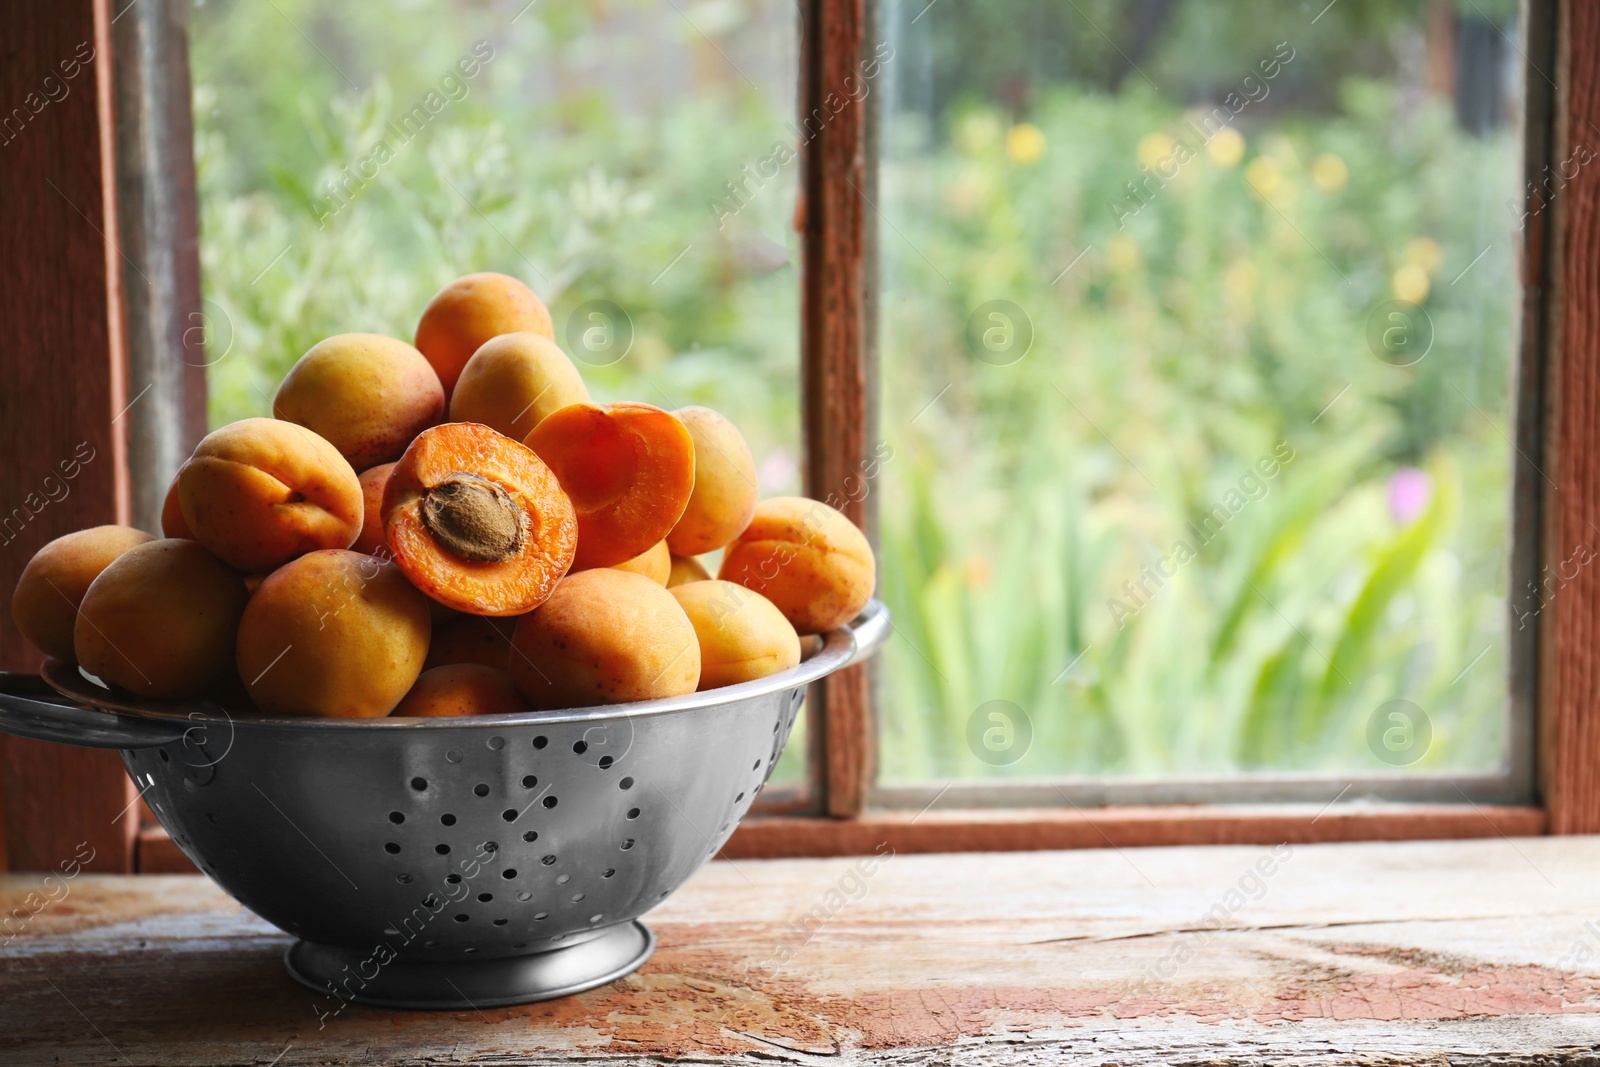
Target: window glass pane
column 622, row 158
column 1198, row 329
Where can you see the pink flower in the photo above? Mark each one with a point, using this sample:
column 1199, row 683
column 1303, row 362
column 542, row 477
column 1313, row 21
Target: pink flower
column 1410, row 489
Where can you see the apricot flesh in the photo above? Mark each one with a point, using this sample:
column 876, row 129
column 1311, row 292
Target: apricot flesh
column 460, row 689
column 334, row 634
column 808, row 559
column 366, row 394
column 477, row 521
column 655, row 563
column 605, row 636
column 471, row 310
column 629, row 470
column 370, row 540
column 724, row 495
column 45, row 602
column 514, row 381
column 742, row 635
column 260, row 492
column 160, row 621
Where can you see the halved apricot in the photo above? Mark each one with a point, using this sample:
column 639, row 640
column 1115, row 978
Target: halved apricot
column 260, row 492
column 469, row 311
column 629, row 469
column 370, row 540
column 477, row 521
column 461, row 689
column 724, row 494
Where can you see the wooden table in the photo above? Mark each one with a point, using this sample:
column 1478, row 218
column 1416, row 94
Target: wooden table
column 1367, row 953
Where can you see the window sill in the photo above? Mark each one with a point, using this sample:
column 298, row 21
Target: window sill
column 1330, row 953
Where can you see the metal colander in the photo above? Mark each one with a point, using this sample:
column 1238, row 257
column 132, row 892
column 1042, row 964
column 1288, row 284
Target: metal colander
column 450, row 862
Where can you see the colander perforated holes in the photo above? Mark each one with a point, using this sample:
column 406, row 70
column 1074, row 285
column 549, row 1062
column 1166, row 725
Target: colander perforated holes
column 548, row 860
column 738, row 798
column 563, row 879
column 524, row 896
column 633, row 813
column 580, row 747
column 577, row 897
column 419, row 784
column 626, row 783
column 431, row 901
column 163, row 754
column 549, row 802
column 531, row 836
column 453, row 879
column 484, row 898
column 481, row 789
column 541, row 915
column 463, row 917
column 392, row 848
column 509, row 873
column 540, row 741
column 530, row 781
column 442, row 849
column 509, row 815
column 609, row 872
column 491, row 846
column 626, row 845
column 496, row 743
column 397, row 817
column 501, row 922
column 596, row 918
column 756, row 766
column 606, row 762
column 454, row 755
column 447, row 819
column 403, row 879
column 520, row 944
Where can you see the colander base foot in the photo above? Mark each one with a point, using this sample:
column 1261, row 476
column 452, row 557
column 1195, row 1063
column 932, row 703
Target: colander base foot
column 340, row 973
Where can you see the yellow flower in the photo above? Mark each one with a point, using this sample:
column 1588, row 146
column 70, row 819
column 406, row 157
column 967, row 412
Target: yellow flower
column 1025, row 144
column 1410, row 283
column 1329, row 173
column 1241, row 280
column 1264, row 176
column 1424, row 252
column 1122, row 252
column 1226, row 147
column 1154, row 149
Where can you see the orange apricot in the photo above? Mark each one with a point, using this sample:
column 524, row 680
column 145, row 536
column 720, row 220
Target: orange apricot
column 45, row 602
column 471, row 310
column 513, row 382
column 808, row 559
column 260, row 492
column 471, row 639
column 366, row 394
column 461, row 689
column 370, row 540
column 477, row 521
column 605, row 636
column 655, row 563
column 172, row 524
column 686, row 569
column 742, row 635
column 160, row 621
column 629, row 470
column 333, row 634
column 724, row 495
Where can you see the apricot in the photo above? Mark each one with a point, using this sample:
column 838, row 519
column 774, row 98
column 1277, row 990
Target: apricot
column 333, row 634
column 172, row 524
column 160, row 620
column 477, row 521
column 471, row 639
column 460, row 689
column 629, row 470
column 655, row 563
column 471, row 310
column 45, row 602
column 513, row 382
column 371, row 540
column 605, row 636
column 805, row 557
column 742, row 635
column 724, row 495
column 260, row 492
column 686, row 569
column 366, row 394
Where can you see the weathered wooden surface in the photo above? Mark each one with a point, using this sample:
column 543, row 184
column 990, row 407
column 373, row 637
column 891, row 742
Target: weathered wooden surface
column 1485, row 951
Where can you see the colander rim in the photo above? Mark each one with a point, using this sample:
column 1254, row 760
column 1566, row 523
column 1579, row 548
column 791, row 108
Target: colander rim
column 840, row 647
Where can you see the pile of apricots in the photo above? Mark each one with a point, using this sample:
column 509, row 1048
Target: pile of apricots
column 450, row 527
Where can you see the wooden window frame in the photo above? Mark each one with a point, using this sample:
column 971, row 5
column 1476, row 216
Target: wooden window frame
column 103, row 305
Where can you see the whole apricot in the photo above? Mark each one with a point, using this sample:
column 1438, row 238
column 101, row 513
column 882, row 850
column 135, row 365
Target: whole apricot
column 366, row 394
column 807, row 558
column 471, row 310
column 471, row 639
column 477, row 521
column 724, row 495
column 160, row 621
column 655, row 563
column 628, row 469
column 45, row 603
column 260, row 492
column 460, row 689
column 334, row 634
column 370, row 540
column 172, row 524
column 742, row 635
column 513, row 382
column 686, row 569
column 605, row 636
